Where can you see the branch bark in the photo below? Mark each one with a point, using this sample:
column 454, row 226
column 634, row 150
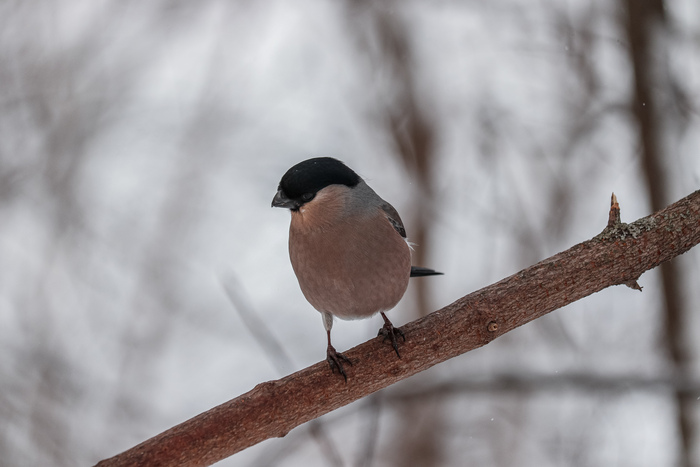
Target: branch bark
column 619, row 255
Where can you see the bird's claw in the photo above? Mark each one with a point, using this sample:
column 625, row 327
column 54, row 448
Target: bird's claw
column 389, row 332
column 335, row 360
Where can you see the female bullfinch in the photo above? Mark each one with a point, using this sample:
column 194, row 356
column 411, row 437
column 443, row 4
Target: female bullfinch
column 347, row 246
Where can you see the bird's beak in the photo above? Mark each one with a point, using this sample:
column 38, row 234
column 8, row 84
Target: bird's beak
column 281, row 201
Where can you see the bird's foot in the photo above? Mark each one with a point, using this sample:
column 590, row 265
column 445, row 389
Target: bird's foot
column 390, row 332
column 336, row 359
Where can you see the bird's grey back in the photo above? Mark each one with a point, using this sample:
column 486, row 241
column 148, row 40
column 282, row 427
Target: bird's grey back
column 366, row 199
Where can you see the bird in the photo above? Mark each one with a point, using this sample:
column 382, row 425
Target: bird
column 347, row 246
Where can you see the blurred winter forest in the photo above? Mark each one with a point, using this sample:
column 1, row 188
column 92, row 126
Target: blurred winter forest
column 144, row 277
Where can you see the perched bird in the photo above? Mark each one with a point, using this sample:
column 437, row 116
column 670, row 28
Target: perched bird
column 347, row 246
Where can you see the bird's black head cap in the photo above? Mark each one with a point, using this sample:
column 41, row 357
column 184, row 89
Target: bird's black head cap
column 301, row 183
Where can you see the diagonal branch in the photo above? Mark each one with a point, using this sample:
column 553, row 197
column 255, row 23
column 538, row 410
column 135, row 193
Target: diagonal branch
column 619, row 255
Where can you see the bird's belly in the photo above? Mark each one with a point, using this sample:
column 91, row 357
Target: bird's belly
column 351, row 276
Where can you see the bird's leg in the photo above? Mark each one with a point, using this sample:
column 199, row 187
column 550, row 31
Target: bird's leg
column 336, row 359
column 389, row 332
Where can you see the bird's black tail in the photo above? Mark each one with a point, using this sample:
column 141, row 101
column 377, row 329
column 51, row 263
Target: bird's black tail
column 421, row 272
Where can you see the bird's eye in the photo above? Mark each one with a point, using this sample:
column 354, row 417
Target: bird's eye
column 306, row 197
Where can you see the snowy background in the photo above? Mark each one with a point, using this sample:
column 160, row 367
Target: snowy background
column 142, row 142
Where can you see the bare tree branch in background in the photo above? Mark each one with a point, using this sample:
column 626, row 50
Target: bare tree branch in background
column 374, row 406
column 516, row 383
column 645, row 24
column 619, row 255
column 257, row 327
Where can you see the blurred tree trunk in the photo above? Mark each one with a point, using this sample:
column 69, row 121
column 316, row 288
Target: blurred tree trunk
column 417, row 440
column 647, row 27
column 412, row 134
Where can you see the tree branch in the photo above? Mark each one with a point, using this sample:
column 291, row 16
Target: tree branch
column 619, row 255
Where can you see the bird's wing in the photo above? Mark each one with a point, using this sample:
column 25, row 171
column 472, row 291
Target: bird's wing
column 394, row 218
